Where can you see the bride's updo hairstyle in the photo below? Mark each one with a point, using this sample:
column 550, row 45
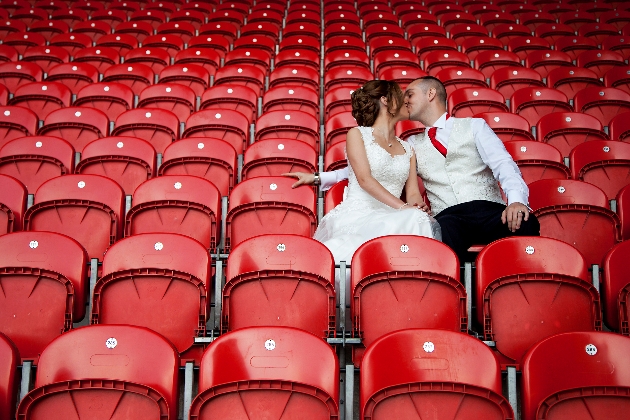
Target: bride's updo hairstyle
column 366, row 100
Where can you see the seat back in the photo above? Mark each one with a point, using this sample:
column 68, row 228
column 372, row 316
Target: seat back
column 112, row 98
column 178, row 99
column 534, row 102
column 126, row 369
column 602, row 163
column 44, row 283
column 12, row 204
column 427, row 373
column 273, row 157
column 76, row 125
column 159, row 127
column 284, row 372
column 467, row 102
column 42, row 97
column 507, row 126
column 10, row 360
column 602, row 103
column 224, row 124
column 537, row 160
column 577, row 375
column 334, row 195
column 616, row 288
column 623, row 210
column 566, row 130
column 295, row 124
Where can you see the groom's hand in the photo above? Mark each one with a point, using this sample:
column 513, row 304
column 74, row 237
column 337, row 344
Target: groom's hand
column 303, row 178
column 514, row 214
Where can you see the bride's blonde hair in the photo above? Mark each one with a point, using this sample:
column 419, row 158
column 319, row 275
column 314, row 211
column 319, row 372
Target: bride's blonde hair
column 366, row 99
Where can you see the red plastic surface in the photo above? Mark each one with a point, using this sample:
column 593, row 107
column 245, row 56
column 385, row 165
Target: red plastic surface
column 460, row 77
column 204, row 57
column 77, row 125
column 338, row 100
column 537, row 160
column 42, row 97
column 156, row 58
column 508, row 80
column 466, row 102
column 112, row 98
column 127, row 160
column 292, row 124
column 12, row 204
column 46, row 57
column 88, row 208
column 268, row 205
column 566, row 130
column 298, row 376
column 507, row 126
column 544, row 290
column 173, row 97
column 212, row 41
column 574, row 45
column 619, row 127
column 534, row 102
column 618, row 77
column 425, row 373
column 292, row 98
column 190, row 75
column 579, row 375
column 100, row 57
column 435, row 61
column 247, row 75
column 401, row 74
column 600, row 61
column 44, row 283
column 346, row 57
column 136, row 76
column 400, row 282
column 602, row 103
column 232, row 96
column 36, row 159
column 472, row 46
column 346, row 76
column 545, row 61
column 157, row 126
column 603, row 163
column 132, row 372
column 224, row 124
column 23, row 40
column 623, row 210
column 274, row 157
column 616, row 288
column 337, row 126
column 254, row 57
column 280, row 280
column 334, row 195
column 10, row 360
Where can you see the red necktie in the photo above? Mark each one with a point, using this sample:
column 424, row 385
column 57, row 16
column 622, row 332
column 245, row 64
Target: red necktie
column 439, row 146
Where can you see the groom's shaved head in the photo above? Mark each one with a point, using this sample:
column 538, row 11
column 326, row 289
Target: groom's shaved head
column 429, row 82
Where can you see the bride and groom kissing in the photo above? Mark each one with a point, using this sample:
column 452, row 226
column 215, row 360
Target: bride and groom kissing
column 461, row 162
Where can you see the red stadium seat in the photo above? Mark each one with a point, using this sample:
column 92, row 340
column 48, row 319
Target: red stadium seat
column 42, row 97
column 291, row 97
column 419, row 293
column 61, row 205
column 343, row 29
column 491, row 18
column 335, row 194
column 602, row 103
column 112, row 98
column 217, row 43
column 195, row 17
column 570, row 80
column 77, row 125
column 222, row 33
column 183, row 29
column 488, row 62
column 577, row 213
column 618, row 77
column 12, row 204
column 307, row 380
column 435, row 61
column 127, row 160
column 534, row 19
column 474, row 45
column 619, row 127
column 508, row 80
column 344, row 42
column 11, row 26
column 256, row 41
column 268, row 29
column 504, row 32
column 302, row 29
column 156, row 58
column 426, row 45
column 600, row 61
column 261, row 288
column 346, row 76
column 618, row 18
column 136, row 76
column 113, row 17
column 438, row 373
column 337, row 126
column 299, row 43
column 535, row 102
column 74, row 75
column 401, row 74
column 36, row 159
column 467, row 102
column 172, row 44
column 100, row 57
column 157, row 126
column 124, row 40
column 71, row 42
column 566, row 130
column 417, row 31
column 144, row 385
column 16, row 74
column 576, row 375
column 342, row 16
column 602, row 163
column 4, row 95
column 386, row 42
column 212, row 159
column 335, row 158
column 46, row 57
column 598, row 31
column 190, row 75
column 576, row 19
column 274, row 157
column 537, row 160
column 385, row 28
column 246, row 75
column 16, row 122
column 173, row 97
column 616, row 287
column 552, row 271
column 160, row 281
column 552, row 31
column 463, row 31
column 545, row 61
column 8, row 368
column 618, row 43
column 250, row 57
column 237, row 97
column 223, row 124
column 292, row 124
column 268, row 205
column 345, row 58
column 523, row 45
column 206, row 58
column 298, row 58
column 295, row 76
column 306, row 16
column 183, row 204
column 507, row 126
column 154, row 17
column 23, row 40
column 44, row 283
column 8, row 53
column 338, row 100
column 94, row 29
column 455, row 78
column 574, row 45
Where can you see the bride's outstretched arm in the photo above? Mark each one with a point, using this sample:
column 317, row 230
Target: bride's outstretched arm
column 412, row 190
column 355, row 148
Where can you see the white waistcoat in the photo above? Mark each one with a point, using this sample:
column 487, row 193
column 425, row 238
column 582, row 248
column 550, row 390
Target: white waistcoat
column 460, row 177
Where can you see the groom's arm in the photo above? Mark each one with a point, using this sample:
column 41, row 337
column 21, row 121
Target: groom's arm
column 326, row 179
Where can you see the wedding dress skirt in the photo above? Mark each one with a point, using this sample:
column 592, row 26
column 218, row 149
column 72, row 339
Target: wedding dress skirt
column 360, row 217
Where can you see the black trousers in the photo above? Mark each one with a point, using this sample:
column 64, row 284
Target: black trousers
column 478, row 223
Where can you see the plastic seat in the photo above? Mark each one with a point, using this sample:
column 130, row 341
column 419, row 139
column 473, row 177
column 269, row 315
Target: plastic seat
column 602, row 163
column 576, row 375
column 552, row 31
column 577, row 213
column 335, row 158
column 112, row 17
column 302, row 29
column 534, row 19
column 616, row 286
column 136, row 76
column 385, row 28
column 474, row 45
column 507, row 126
column 291, row 98
column 346, row 76
column 552, row 271
column 467, row 382
column 46, row 57
column 172, row 44
column 600, row 61
column 145, row 385
column 173, row 97
column 545, row 61
column 206, row 58
column 598, row 31
column 576, row 19
column 218, row 43
column 335, row 29
column 10, row 26
column 36, row 159
column 570, row 80
column 417, row 31
column 245, row 75
column 224, row 124
column 274, row 157
column 237, row 97
column 166, row 7
column 401, row 74
column 155, row 58
column 344, row 42
column 491, row 18
column 342, row 16
column 535, row 102
column 566, row 130
column 537, row 160
column 41, row 297
column 15, row 122
column 12, row 204
column 306, row 16
column 523, row 45
column 618, row 77
column 386, row 43
column 127, row 160
column 295, row 76
column 250, row 57
column 78, row 126
column 338, row 100
column 619, row 127
column 488, row 62
column 195, row 77
column 256, row 41
column 157, row 126
column 268, row 205
column 271, row 267
column 268, row 29
column 462, row 31
column 212, row 159
column 504, row 32
column 42, row 97
column 154, row 17
column 8, row 368
column 455, row 78
column 337, row 126
column 602, row 103
column 100, row 57
column 293, row 124
column 435, row 61
column 8, row 54
column 298, row 58
column 345, row 58
column 574, row 45
column 122, row 41
column 110, row 97
column 617, row 18
column 466, row 102
column 306, row 381
column 4, row 95
column 423, row 293
column 50, row 28
column 71, row 42
column 299, row 43
column 618, row 43
column 62, row 203
column 16, row 74
column 508, row 80
column 21, row 41
column 334, row 195
column 94, row 29
column 74, row 75
column 195, row 17
column 182, row 29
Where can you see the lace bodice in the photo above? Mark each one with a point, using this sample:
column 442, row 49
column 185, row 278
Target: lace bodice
column 390, row 171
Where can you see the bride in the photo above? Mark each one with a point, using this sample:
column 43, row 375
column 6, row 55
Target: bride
column 381, row 165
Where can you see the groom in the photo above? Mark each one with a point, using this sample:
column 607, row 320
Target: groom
column 460, row 161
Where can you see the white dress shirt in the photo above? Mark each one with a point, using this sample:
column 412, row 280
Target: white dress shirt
column 490, row 148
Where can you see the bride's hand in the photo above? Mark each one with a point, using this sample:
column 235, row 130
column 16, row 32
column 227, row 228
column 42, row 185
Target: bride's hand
column 422, row 206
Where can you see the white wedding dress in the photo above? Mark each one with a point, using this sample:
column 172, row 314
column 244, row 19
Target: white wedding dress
column 360, row 217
